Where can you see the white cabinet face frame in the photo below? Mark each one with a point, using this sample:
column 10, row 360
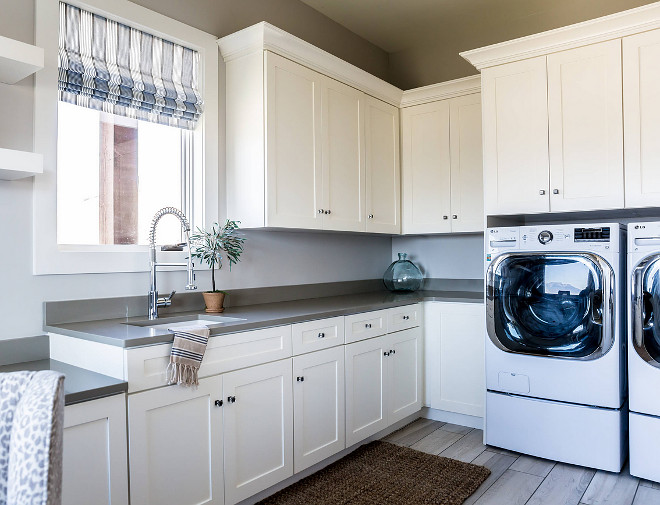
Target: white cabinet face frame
column 586, row 128
column 641, row 116
column 515, row 143
column 404, row 374
column 258, row 429
column 171, row 425
column 383, row 200
column 366, row 388
column 467, row 173
column 426, row 168
column 319, row 410
column 94, row 464
column 343, row 155
column 293, row 145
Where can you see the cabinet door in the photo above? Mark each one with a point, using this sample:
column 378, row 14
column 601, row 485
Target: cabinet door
column 641, row 115
column 293, row 144
column 366, row 411
column 586, row 128
column 404, row 374
column 94, row 465
column 515, row 143
column 175, row 445
column 318, row 399
column 258, row 429
column 383, row 169
column 343, row 157
column 426, row 168
column 455, row 334
column 467, row 174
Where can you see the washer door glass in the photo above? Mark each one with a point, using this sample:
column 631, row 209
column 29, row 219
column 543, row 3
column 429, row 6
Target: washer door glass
column 651, row 309
column 547, row 304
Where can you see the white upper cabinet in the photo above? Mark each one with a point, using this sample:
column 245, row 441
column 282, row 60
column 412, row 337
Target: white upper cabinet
column 383, row 201
column 515, row 140
column 467, row 197
column 641, row 115
column 442, row 166
column 426, row 168
column 343, row 154
column 293, row 148
column 586, row 128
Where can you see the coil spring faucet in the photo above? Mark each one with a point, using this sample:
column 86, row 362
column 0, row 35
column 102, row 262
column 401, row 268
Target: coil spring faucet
column 154, row 300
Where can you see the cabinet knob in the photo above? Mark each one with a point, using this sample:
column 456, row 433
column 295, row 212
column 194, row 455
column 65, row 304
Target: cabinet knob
column 541, row 192
column 454, row 216
column 218, row 403
column 368, row 325
column 386, row 354
column 327, row 212
column 392, row 351
column 300, row 379
column 371, row 216
column 321, row 211
column 321, row 335
column 445, row 217
column 555, row 191
column 405, row 318
column 231, row 399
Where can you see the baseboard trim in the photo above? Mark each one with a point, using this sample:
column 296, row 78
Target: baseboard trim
column 319, row 466
column 452, row 417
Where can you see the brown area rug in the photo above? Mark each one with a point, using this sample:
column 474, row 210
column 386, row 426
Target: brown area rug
column 381, row 473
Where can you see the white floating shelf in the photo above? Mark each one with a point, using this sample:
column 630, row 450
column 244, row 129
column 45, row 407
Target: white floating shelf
column 18, row 60
column 19, row 164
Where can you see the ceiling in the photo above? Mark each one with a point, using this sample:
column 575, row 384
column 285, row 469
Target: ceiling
column 402, row 25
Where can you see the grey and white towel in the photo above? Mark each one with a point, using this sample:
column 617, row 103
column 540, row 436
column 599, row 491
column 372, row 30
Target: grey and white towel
column 31, row 425
column 187, row 353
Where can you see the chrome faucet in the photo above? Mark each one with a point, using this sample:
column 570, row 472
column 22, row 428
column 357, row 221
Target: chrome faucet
column 154, row 300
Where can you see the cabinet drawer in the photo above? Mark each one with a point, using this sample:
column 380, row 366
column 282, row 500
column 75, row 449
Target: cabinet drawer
column 365, row 325
column 402, row 318
column 145, row 366
column 319, row 334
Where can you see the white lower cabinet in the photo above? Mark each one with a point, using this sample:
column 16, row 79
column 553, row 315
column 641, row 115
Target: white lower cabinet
column 258, row 429
column 175, row 445
column 94, row 465
column 454, row 357
column 384, row 382
column 318, row 406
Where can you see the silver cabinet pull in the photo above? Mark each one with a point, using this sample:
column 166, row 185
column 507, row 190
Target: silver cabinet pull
column 542, row 192
column 555, row 191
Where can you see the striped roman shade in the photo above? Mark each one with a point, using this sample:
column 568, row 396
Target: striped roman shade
column 109, row 66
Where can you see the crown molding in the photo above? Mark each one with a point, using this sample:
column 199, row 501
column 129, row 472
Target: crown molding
column 266, row 37
column 601, row 29
column 441, row 91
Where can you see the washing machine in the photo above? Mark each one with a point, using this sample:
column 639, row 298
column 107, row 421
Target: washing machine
column 644, row 349
column 555, row 343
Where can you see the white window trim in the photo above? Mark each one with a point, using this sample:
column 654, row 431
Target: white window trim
column 48, row 256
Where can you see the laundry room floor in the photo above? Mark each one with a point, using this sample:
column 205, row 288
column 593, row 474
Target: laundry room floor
column 517, row 479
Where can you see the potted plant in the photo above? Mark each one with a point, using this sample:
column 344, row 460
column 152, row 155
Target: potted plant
column 208, row 246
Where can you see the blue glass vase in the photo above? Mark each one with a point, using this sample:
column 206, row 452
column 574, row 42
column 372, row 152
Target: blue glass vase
column 403, row 275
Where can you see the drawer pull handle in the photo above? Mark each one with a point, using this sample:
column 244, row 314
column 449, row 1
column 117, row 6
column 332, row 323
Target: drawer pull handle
column 321, row 335
column 368, row 325
column 300, row 379
column 218, row 403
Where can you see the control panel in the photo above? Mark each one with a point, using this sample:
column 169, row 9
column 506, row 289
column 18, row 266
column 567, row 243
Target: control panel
column 592, row 234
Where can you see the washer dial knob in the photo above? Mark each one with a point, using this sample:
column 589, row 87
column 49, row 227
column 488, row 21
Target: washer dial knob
column 545, row 237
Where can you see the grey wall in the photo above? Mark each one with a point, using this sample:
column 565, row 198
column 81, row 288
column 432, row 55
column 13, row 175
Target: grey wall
column 444, row 256
column 271, row 258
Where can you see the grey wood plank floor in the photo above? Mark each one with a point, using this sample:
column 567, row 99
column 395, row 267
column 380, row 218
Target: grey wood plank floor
column 517, row 479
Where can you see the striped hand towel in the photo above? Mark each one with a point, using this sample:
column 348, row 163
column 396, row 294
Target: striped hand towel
column 187, row 353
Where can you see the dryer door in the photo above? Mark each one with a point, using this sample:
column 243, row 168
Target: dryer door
column 551, row 304
column 646, row 309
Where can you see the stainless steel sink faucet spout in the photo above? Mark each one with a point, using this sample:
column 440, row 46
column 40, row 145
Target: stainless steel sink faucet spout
column 154, row 300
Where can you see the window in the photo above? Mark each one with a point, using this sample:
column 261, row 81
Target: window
column 77, row 226
column 114, row 173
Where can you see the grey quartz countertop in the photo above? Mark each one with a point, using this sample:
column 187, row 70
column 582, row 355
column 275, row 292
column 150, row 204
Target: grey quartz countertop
column 80, row 385
column 121, row 333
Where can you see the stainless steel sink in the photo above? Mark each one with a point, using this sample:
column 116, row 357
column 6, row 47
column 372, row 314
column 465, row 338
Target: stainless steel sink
column 166, row 323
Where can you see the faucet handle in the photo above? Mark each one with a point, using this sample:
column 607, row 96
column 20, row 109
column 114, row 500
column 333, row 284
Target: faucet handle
column 165, row 301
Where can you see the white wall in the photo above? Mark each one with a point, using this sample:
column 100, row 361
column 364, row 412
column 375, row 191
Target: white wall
column 271, row 258
column 444, row 256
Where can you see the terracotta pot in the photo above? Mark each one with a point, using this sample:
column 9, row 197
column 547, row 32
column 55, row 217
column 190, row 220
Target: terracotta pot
column 214, row 302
